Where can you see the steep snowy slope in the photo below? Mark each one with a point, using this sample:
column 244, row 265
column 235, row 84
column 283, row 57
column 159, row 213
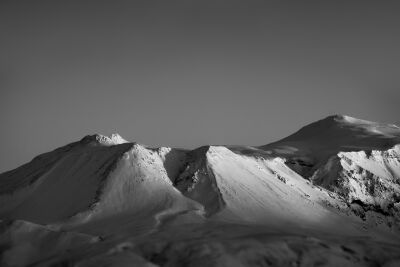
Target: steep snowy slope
column 95, row 177
column 254, row 189
column 41, row 191
column 137, row 194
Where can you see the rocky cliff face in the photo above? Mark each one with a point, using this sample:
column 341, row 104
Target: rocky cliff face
column 368, row 181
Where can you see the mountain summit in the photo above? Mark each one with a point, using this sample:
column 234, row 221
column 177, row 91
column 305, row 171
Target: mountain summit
column 104, row 200
column 114, row 139
column 342, row 132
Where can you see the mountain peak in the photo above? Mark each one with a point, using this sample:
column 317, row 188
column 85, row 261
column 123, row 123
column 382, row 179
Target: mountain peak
column 113, row 139
column 347, row 125
column 340, row 133
column 341, row 118
column 117, row 139
column 336, row 117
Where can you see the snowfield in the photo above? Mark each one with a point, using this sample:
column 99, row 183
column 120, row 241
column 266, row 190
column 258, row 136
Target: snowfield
column 328, row 195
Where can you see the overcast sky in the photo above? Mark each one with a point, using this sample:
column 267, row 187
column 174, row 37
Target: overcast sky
column 190, row 73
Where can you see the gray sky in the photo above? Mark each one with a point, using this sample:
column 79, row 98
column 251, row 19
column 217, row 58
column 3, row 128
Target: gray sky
column 190, row 73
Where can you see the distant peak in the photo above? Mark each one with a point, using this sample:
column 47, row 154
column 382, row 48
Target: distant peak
column 113, row 139
column 343, row 127
column 336, row 117
column 340, row 118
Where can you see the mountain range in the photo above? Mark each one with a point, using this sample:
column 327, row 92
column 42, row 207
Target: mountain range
column 327, row 195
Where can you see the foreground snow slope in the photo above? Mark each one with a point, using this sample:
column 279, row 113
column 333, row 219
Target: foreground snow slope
column 25, row 243
column 127, row 203
column 207, row 244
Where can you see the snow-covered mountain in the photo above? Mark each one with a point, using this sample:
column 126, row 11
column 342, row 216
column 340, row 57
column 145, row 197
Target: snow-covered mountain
column 357, row 159
column 106, row 201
